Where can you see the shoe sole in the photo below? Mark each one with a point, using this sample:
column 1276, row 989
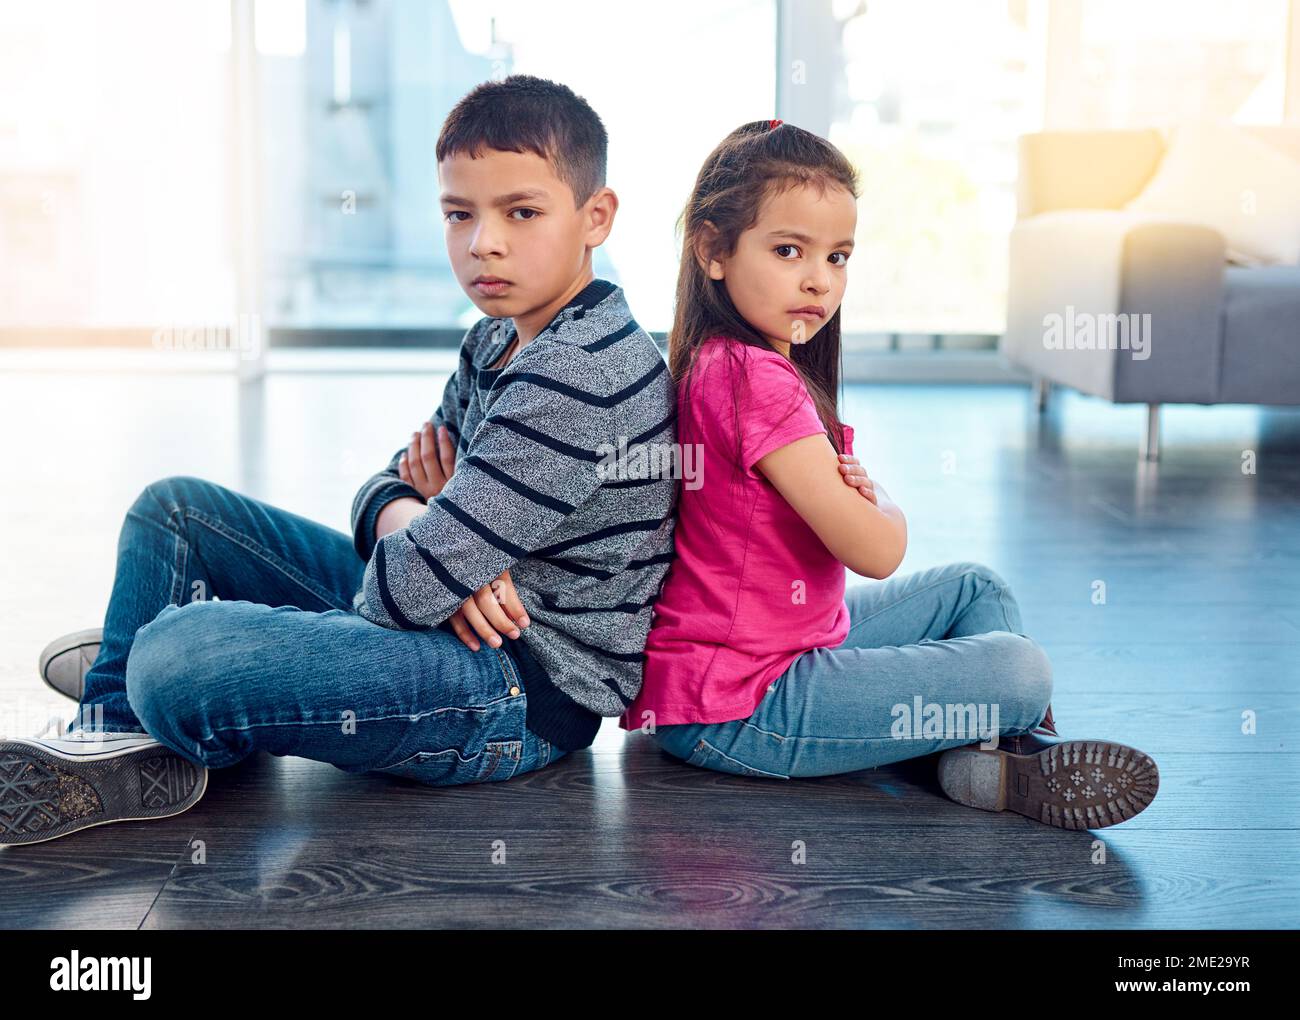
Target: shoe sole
column 1077, row 784
column 44, row 795
column 67, row 643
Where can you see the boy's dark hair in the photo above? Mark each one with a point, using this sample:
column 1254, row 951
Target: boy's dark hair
column 522, row 113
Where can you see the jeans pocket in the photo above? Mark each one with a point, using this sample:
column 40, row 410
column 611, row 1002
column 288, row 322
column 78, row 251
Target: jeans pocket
column 450, row 766
column 706, row 756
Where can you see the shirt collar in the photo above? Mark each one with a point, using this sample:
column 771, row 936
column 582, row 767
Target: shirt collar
column 589, row 297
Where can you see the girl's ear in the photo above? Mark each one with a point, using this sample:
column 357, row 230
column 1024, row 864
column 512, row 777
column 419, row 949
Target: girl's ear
column 704, row 248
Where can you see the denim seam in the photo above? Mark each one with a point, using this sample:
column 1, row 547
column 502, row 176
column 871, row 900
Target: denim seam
column 242, row 540
column 717, row 751
column 497, row 748
column 1002, row 602
column 922, row 591
column 180, row 561
column 213, row 730
column 894, row 605
column 805, row 736
column 508, row 671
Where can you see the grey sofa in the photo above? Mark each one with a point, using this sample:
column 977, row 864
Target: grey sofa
column 1226, row 333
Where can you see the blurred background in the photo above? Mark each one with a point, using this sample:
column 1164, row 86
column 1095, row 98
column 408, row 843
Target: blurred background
column 180, row 165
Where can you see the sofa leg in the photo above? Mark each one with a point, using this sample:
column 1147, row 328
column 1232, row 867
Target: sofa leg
column 1042, row 389
column 1151, row 438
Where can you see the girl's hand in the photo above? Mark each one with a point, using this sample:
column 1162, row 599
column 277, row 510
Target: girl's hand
column 855, row 475
column 485, row 614
column 429, row 461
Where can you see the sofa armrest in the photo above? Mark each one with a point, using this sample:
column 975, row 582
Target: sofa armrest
column 1173, row 279
column 1117, row 304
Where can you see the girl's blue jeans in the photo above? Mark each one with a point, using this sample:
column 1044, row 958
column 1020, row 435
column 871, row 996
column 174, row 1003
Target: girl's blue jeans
column 933, row 660
column 230, row 630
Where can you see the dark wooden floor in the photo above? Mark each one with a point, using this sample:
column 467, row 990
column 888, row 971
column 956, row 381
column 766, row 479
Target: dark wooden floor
column 1201, row 624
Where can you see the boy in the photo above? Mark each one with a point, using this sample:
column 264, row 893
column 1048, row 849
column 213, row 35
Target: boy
column 365, row 652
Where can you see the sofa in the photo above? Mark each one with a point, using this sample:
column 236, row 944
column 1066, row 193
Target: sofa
column 1218, row 332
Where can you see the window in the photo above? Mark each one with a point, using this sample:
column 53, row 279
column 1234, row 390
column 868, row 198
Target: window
column 350, row 127
column 933, row 98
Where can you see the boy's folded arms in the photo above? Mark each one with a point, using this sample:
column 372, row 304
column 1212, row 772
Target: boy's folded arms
column 531, row 464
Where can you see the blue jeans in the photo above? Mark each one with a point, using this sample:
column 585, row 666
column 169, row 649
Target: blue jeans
column 230, row 630
column 946, row 641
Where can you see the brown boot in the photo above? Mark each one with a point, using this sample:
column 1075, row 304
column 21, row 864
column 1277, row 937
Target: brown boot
column 1072, row 784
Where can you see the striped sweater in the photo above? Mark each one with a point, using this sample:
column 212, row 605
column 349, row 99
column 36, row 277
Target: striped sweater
column 587, row 548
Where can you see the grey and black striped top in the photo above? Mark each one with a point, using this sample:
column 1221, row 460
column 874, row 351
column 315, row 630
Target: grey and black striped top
column 587, row 549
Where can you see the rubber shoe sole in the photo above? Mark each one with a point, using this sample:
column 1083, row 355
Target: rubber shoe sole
column 1076, row 784
column 45, row 794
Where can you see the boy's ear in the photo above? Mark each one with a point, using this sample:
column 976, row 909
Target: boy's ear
column 601, row 209
column 705, row 246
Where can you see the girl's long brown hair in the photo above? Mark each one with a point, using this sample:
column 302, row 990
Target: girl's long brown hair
column 754, row 161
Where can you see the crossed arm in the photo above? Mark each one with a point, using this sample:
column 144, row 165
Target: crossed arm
column 797, row 470
column 426, row 466
column 869, row 537
column 862, row 529
column 531, row 465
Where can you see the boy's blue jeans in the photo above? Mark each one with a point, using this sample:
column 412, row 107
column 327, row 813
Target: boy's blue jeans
column 230, row 630
column 943, row 644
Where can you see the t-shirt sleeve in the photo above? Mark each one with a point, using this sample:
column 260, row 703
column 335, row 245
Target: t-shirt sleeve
column 775, row 409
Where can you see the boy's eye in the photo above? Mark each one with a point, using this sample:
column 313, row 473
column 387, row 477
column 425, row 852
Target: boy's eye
column 843, row 253
column 455, row 212
column 533, row 213
column 783, row 248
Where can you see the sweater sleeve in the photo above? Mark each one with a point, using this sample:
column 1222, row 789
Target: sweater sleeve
column 530, row 464
column 384, row 486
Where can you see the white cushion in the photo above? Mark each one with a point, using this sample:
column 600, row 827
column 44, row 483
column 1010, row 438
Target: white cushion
column 1221, row 176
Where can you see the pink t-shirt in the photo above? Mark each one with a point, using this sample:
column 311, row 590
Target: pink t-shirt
column 751, row 586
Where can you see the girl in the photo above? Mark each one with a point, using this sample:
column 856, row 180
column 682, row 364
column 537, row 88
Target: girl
column 757, row 662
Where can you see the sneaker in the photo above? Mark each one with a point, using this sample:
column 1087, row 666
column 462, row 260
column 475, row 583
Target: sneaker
column 54, row 786
column 65, row 660
column 1072, row 784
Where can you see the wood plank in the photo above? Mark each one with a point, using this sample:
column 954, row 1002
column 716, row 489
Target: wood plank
column 1202, row 566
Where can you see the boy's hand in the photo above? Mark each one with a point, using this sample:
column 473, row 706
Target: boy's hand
column 429, row 461
column 482, row 614
column 855, row 474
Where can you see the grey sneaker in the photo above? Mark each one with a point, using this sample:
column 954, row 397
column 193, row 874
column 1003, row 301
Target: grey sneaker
column 54, row 786
column 65, row 660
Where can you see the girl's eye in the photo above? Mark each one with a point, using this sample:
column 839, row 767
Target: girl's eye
column 456, row 212
column 533, row 213
column 844, row 253
column 785, row 247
